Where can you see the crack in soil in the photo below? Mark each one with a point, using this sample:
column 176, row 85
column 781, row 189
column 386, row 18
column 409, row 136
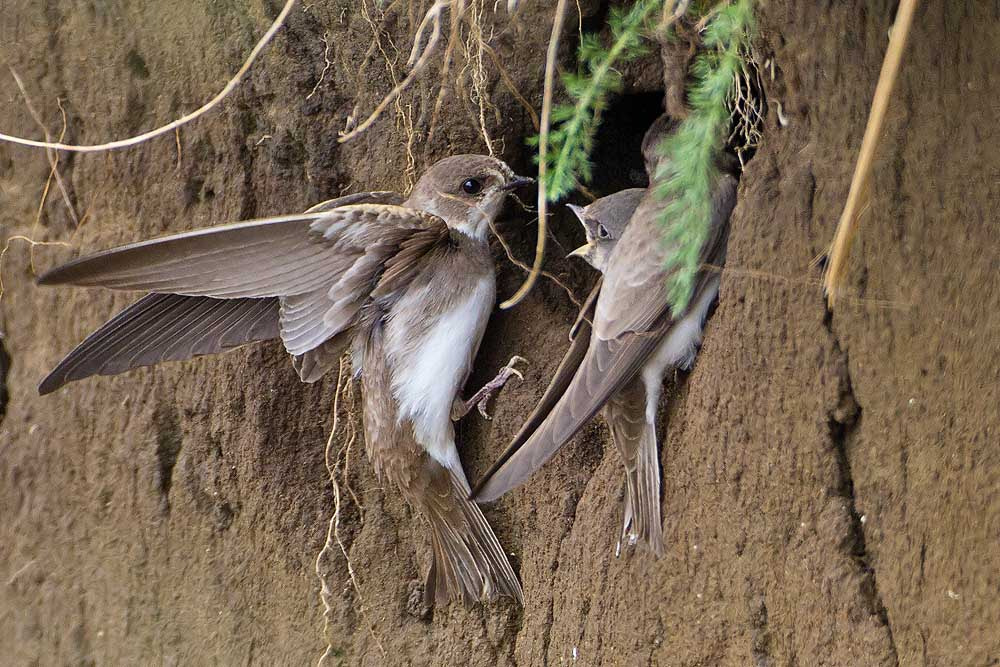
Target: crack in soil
column 843, row 422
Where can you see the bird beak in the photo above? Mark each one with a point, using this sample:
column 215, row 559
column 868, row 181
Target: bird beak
column 582, row 251
column 518, row 182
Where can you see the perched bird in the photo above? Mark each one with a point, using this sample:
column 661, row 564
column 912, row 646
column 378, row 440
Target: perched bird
column 408, row 285
column 618, row 363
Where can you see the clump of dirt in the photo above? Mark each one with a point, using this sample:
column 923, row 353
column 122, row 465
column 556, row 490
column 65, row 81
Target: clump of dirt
column 829, row 477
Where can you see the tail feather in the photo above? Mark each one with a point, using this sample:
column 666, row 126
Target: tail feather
column 469, row 563
column 635, row 438
column 643, row 482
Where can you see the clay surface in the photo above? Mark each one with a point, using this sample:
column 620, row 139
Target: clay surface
column 831, row 479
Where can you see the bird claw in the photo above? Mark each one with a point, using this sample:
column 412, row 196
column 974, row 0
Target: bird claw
column 482, row 397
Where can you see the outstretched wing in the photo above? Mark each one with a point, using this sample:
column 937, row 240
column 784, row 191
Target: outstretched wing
column 303, row 277
column 632, row 316
column 280, row 256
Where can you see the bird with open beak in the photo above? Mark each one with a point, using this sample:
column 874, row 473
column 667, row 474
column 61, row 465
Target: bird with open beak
column 618, row 362
column 406, row 284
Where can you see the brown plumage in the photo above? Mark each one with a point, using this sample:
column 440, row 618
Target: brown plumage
column 409, row 285
column 617, row 363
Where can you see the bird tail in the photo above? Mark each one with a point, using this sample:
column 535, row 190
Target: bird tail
column 635, row 438
column 642, row 522
column 468, row 561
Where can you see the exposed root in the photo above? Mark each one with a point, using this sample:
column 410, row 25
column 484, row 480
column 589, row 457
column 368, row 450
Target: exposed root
column 449, row 52
column 511, row 86
column 404, row 118
column 527, row 269
column 183, row 120
column 858, row 194
column 339, row 468
column 327, row 64
column 466, row 16
column 475, row 47
column 746, row 104
column 434, row 17
column 53, row 161
column 543, row 139
column 32, row 242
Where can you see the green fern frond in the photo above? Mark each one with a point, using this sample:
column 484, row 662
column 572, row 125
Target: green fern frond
column 688, row 171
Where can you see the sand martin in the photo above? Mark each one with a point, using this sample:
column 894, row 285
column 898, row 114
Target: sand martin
column 407, row 284
column 618, row 362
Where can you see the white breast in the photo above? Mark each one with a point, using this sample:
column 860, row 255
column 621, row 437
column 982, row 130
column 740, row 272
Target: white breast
column 428, row 372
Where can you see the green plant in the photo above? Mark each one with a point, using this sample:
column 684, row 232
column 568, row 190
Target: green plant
column 572, row 138
column 686, row 175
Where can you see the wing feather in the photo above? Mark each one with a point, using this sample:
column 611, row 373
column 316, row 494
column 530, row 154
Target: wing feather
column 216, row 287
column 166, row 327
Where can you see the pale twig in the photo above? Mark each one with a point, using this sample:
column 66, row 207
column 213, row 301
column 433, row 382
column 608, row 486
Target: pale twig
column 200, row 111
column 421, row 63
column 543, row 141
column 858, row 194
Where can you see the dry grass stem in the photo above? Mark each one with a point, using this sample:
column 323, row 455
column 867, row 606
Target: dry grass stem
column 803, row 281
column 859, row 192
column 200, row 111
column 543, row 140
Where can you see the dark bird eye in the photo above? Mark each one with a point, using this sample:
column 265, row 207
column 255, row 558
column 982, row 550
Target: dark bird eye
column 602, row 232
column 472, row 186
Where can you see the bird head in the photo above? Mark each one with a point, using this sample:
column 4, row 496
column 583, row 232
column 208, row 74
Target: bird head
column 466, row 191
column 603, row 222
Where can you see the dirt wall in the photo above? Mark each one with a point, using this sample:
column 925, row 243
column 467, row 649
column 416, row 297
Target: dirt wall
column 831, row 479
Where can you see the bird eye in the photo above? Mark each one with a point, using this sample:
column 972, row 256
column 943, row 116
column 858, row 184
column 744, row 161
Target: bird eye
column 472, row 186
column 602, row 232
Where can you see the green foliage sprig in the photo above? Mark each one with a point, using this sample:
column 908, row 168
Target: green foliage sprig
column 571, row 140
column 687, row 174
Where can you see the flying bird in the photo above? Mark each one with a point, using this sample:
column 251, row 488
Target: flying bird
column 407, row 284
column 618, row 362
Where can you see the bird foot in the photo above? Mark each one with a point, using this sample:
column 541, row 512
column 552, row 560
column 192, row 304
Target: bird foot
column 482, row 397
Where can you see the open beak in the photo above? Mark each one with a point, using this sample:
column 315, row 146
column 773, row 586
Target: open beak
column 582, row 251
column 518, row 182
